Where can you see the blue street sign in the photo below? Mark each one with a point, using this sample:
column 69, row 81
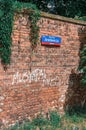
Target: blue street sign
column 50, row 40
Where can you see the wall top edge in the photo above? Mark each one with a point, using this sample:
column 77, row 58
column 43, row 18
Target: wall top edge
column 56, row 17
column 62, row 18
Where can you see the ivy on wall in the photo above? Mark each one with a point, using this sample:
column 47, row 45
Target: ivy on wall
column 34, row 28
column 6, row 20
column 34, row 16
column 7, row 9
column 82, row 66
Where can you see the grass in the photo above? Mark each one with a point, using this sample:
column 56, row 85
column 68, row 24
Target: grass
column 54, row 122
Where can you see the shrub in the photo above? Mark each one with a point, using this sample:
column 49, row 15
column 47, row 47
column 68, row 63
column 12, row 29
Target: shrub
column 54, row 118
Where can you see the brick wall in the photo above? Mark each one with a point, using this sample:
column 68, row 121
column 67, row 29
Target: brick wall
column 40, row 80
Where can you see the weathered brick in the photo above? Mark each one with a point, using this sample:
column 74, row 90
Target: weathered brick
column 41, row 80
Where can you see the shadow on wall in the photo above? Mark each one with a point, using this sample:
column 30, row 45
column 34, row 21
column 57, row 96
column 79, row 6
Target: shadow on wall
column 75, row 102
